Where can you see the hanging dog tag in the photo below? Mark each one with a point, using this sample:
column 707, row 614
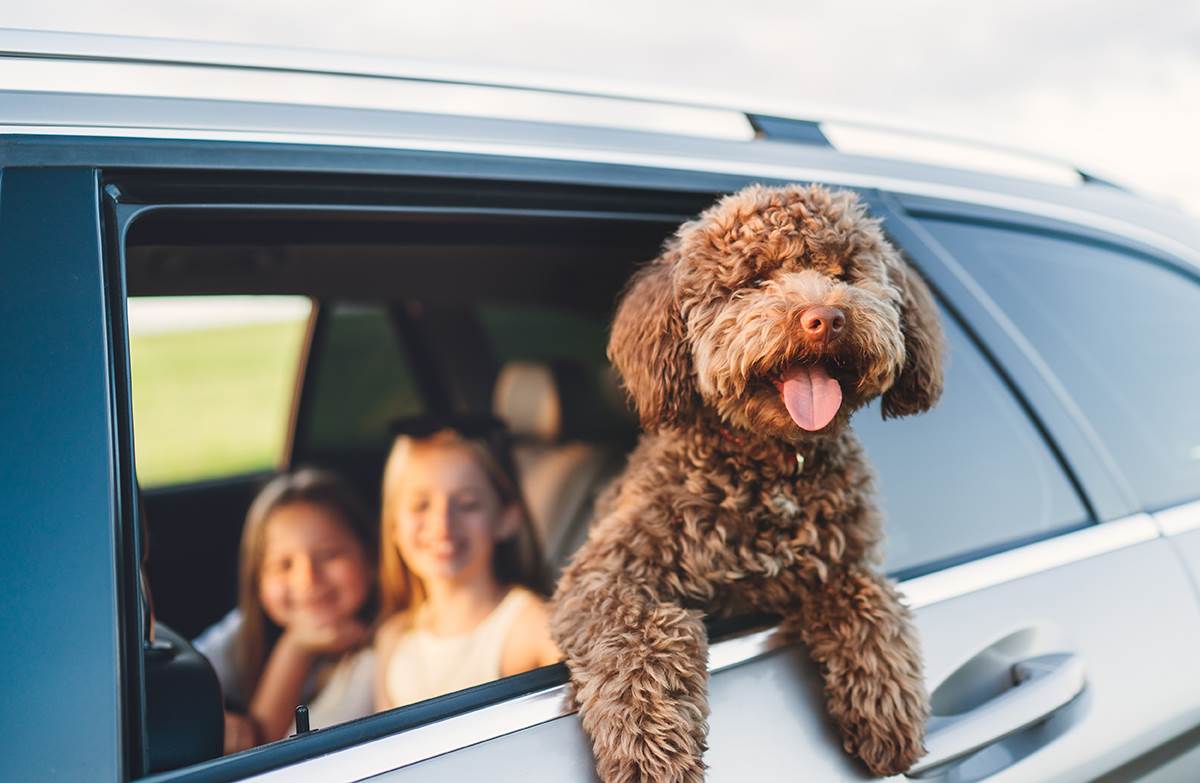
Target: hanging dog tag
column 799, row 462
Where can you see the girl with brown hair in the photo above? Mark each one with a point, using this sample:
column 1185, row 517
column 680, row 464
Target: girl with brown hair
column 306, row 601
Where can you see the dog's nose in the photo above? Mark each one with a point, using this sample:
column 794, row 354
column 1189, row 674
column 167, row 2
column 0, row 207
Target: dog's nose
column 822, row 324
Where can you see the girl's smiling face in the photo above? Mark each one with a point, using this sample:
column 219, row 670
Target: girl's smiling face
column 313, row 567
column 449, row 516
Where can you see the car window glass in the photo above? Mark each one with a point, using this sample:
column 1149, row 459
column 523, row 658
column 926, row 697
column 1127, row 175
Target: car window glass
column 1118, row 331
column 212, row 379
column 544, row 334
column 574, row 344
column 363, row 381
column 970, row 477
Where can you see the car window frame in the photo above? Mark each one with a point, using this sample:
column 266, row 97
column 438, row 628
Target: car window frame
column 278, row 755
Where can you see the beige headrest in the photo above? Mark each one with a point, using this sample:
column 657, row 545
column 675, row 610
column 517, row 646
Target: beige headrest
column 526, row 398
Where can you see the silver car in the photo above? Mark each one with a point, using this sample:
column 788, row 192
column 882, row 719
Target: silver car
column 442, row 231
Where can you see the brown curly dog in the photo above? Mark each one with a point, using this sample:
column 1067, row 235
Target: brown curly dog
column 745, row 347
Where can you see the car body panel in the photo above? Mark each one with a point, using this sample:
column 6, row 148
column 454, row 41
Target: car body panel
column 1115, row 610
column 1181, row 526
column 60, row 635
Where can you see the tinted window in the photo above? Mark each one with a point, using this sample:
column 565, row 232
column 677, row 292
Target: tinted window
column 545, row 334
column 971, row 476
column 212, row 378
column 363, row 382
column 1121, row 333
column 573, row 344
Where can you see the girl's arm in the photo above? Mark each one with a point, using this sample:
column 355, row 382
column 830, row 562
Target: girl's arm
column 240, row 733
column 281, row 685
column 529, row 644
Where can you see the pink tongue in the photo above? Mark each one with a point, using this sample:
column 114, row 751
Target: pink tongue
column 811, row 397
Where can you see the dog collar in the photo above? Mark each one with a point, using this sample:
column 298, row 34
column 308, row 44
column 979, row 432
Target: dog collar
column 738, row 441
column 728, row 435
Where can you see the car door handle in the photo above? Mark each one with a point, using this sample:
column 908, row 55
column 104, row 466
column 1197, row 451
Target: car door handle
column 1041, row 686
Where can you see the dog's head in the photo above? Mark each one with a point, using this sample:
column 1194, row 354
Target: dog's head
column 783, row 309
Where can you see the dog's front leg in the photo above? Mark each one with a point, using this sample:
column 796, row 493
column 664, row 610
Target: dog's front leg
column 862, row 637
column 640, row 676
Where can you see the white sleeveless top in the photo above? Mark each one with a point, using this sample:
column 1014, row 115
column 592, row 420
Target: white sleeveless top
column 348, row 694
column 423, row 665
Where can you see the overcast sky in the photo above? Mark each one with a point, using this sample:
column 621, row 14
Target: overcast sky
column 1111, row 86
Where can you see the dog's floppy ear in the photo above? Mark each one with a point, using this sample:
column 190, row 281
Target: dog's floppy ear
column 919, row 384
column 649, row 346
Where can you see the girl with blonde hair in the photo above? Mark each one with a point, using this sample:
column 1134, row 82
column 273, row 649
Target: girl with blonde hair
column 460, row 571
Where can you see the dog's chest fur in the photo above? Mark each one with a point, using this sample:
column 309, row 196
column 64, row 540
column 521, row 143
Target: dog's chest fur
column 747, row 528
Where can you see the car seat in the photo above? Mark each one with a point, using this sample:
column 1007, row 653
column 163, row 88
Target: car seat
column 570, row 436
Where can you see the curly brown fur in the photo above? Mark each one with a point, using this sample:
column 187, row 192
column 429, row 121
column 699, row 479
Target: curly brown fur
column 713, row 515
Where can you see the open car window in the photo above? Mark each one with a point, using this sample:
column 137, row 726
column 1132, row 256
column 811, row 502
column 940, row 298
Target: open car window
column 404, row 315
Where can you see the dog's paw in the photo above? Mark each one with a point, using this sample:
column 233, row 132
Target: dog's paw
column 889, row 739
column 651, row 768
column 888, row 755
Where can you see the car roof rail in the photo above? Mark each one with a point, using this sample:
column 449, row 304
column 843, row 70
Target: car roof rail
column 673, row 110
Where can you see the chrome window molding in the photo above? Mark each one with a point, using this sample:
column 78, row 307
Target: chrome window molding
column 1180, row 519
column 1020, row 204
column 433, row 739
column 1028, row 560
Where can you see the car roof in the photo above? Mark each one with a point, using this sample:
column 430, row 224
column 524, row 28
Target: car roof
column 100, row 86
